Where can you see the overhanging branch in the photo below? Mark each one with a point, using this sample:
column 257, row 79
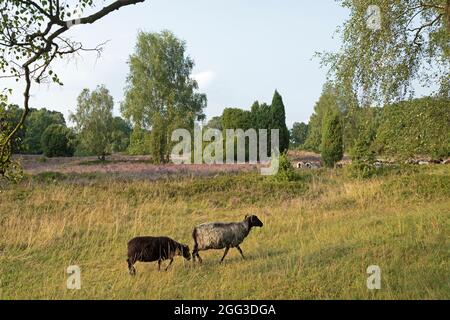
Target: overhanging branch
column 45, row 51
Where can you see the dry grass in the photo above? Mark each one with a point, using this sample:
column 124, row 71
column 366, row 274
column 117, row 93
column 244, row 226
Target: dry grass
column 321, row 233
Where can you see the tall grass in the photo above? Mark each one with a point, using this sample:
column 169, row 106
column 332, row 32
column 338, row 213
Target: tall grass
column 320, row 234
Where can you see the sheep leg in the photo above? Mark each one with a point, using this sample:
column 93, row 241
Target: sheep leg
column 199, row 258
column 171, row 260
column 159, row 265
column 240, row 251
column 195, row 254
column 225, row 253
column 131, row 267
column 195, row 251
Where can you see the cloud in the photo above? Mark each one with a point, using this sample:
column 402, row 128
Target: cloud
column 204, row 78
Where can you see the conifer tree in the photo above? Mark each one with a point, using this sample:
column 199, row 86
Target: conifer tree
column 332, row 149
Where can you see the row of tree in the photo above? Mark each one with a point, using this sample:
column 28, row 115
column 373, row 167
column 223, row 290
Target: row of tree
column 260, row 116
column 28, row 137
column 398, row 130
column 162, row 96
column 97, row 131
column 44, row 132
column 387, row 46
column 374, row 66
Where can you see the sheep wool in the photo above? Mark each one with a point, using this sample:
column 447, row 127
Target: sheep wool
column 219, row 235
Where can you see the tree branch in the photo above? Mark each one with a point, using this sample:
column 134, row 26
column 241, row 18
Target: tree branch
column 103, row 12
column 420, row 29
column 45, row 49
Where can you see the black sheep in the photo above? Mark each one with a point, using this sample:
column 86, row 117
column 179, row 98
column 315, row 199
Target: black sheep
column 149, row 249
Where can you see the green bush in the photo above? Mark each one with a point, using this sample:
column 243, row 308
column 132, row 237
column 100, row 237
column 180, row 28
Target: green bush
column 57, row 141
column 361, row 170
column 285, row 170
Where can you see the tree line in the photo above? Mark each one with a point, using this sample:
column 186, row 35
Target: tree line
column 400, row 130
column 161, row 96
column 260, row 116
column 46, row 132
column 365, row 109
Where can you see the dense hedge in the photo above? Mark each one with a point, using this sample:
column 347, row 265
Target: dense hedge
column 416, row 127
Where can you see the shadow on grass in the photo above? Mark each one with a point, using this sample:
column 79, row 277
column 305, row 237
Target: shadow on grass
column 236, row 259
column 328, row 255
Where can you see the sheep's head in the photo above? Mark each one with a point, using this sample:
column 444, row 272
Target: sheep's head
column 253, row 221
column 185, row 252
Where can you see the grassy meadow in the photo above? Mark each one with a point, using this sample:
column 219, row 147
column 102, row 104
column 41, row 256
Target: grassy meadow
column 320, row 234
